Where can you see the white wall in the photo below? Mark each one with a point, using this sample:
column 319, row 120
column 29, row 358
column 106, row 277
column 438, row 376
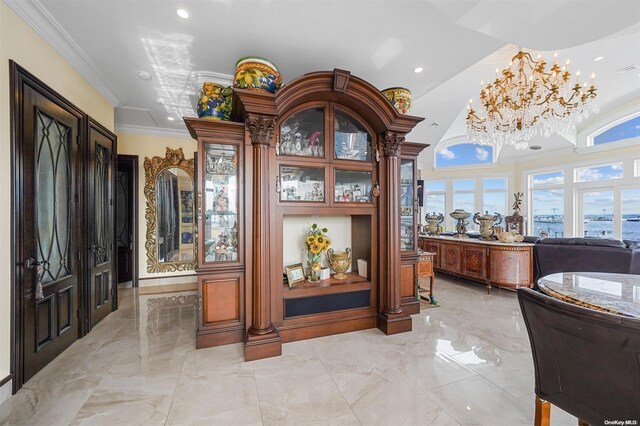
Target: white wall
column 20, row 43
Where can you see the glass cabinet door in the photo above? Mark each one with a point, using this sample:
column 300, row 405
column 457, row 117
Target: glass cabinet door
column 407, row 198
column 302, row 134
column 301, row 184
column 352, row 186
column 220, row 203
column 351, row 139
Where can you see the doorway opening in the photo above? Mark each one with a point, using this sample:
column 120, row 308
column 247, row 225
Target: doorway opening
column 126, row 225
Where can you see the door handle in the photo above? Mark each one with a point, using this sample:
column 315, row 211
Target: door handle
column 31, row 263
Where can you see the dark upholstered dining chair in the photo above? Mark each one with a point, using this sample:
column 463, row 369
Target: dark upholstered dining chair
column 586, row 362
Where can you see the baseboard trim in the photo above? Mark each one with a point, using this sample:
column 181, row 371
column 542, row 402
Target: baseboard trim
column 6, row 380
column 169, row 288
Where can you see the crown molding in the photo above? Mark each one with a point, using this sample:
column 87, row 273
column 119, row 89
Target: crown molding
column 154, row 131
column 44, row 24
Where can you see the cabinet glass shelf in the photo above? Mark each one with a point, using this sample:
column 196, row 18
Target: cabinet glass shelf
column 220, row 203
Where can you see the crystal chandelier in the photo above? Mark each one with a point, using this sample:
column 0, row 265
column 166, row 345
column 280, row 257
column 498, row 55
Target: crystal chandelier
column 526, row 100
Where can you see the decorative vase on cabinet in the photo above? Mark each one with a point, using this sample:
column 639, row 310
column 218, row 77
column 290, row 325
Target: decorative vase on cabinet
column 258, row 74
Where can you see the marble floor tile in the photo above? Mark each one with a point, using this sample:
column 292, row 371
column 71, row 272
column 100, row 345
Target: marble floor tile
column 466, row 362
column 477, row 401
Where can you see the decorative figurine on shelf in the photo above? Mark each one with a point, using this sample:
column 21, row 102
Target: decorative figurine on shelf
column 314, row 144
column 221, row 202
column 515, row 222
column 517, row 203
column 316, row 241
column 221, row 248
column 286, row 143
column 297, row 142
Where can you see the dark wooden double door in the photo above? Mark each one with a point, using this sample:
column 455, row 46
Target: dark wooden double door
column 63, row 224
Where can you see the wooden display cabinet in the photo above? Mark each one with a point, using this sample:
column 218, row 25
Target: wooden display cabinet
column 409, row 225
column 220, row 237
column 327, row 145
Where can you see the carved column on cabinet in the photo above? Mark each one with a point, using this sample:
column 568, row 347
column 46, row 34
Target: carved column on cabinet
column 262, row 338
column 392, row 319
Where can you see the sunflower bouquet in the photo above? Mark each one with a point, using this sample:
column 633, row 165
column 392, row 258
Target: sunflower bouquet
column 317, row 241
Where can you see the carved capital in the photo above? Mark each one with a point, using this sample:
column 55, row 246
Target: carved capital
column 391, row 143
column 260, row 128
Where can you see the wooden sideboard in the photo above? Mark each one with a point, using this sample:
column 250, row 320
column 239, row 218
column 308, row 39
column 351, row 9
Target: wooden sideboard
column 490, row 262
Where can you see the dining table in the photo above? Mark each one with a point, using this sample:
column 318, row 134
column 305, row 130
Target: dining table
column 608, row 292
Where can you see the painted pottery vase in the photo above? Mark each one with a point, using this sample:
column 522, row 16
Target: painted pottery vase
column 400, row 98
column 340, row 262
column 215, row 101
column 258, row 74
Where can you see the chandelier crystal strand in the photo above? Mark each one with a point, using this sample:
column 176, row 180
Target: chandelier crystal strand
column 526, row 100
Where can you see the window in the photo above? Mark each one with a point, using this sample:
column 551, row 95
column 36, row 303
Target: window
column 547, row 206
column 546, row 198
column 594, row 173
column 630, row 199
column 494, row 195
column 464, row 196
column 542, row 179
column 597, row 213
column 435, row 197
column 628, row 129
column 463, row 154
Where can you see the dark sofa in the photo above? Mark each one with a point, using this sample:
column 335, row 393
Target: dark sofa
column 552, row 255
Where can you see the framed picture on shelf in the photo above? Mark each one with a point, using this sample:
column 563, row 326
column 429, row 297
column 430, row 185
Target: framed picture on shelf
column 295, row 273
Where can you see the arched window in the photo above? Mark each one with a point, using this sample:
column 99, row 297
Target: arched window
column 627, row 129
column 463, row 154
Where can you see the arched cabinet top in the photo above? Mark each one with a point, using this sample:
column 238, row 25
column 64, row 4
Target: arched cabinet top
column 337, row 86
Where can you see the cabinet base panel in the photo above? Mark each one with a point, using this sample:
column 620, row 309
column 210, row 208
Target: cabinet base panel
column 207, row 339
column 259, row 347
column 394, row 324
column 412, row 307
column 324, row 329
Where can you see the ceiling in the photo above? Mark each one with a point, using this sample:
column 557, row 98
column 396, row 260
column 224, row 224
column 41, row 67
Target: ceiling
column 458, row 43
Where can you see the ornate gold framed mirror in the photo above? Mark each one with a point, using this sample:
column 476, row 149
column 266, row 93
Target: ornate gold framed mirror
column 170, row 216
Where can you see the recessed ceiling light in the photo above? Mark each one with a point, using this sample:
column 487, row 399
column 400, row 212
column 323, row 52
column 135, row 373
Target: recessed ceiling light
column 143, row 75
column 599, row 58
column 535, row 147
column 182, row 13
column 170, row 118
column 418, row 69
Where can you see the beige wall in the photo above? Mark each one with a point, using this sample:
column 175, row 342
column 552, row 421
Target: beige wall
column 20, row 43
column 150, row 146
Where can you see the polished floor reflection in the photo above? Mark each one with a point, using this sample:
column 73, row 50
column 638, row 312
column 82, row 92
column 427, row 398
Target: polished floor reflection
column 465, row 362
